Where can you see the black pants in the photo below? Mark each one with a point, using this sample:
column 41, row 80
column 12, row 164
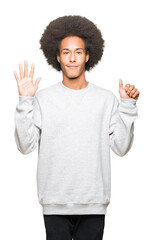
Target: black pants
column 78, row 227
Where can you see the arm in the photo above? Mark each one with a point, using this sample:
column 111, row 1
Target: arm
column 121, row 129
column 27, row 124
column 27, row 114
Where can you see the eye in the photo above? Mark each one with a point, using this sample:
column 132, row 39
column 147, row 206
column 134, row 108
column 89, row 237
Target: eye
column 78, row 52
column 65, row 52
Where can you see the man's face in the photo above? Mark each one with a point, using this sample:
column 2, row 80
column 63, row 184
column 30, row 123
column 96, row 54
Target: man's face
column 72, row 57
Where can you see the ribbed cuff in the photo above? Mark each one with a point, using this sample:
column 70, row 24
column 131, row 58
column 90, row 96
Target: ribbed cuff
column 128, row 100
column 128, row 105
column 26, row 100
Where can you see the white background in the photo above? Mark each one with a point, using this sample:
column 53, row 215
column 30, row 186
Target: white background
column 126, row 27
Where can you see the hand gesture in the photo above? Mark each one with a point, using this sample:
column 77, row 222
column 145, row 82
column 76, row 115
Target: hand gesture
column 129, row 92
column 26, row 87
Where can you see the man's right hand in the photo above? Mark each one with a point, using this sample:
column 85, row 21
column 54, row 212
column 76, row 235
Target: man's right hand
column 25, row 83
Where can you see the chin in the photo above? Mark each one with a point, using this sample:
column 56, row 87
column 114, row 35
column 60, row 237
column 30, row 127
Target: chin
column 72, row 76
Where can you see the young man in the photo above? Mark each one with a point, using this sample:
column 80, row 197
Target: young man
column 74, row 123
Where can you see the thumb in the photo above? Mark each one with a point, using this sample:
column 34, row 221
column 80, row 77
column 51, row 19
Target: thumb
column 120, row 83
column 37, row 82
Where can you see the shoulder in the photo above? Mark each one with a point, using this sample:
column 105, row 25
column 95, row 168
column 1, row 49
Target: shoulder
column 104, row 92
column 47, row 91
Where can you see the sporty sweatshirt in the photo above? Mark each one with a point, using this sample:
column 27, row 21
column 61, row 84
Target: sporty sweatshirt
column 74, row 130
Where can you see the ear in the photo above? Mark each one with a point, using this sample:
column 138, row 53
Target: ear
column 58, row 57
column 87, row 56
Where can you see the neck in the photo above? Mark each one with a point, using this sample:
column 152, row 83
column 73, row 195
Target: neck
column 75, row 83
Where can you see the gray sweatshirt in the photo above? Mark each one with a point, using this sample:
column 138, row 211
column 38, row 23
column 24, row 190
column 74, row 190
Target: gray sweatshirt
column 74, row 131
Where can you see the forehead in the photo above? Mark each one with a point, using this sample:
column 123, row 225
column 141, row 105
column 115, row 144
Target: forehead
column 72, row 42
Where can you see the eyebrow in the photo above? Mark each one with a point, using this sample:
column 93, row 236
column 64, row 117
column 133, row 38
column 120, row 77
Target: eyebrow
column 69, row 49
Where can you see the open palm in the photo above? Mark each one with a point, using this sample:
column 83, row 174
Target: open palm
column 26, row 87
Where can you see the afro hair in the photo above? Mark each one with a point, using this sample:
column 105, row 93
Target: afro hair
column 72, row 25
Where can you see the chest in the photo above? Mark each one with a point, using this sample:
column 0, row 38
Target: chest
column 74, row 113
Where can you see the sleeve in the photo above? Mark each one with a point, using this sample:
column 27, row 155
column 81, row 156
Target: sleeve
column 121, row 128
column 27, row 124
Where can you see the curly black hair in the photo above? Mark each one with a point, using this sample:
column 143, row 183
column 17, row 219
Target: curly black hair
column 72, row 25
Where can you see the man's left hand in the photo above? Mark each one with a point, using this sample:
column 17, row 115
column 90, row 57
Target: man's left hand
column 129, row 92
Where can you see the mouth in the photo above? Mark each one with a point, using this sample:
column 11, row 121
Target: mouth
column 72, row 67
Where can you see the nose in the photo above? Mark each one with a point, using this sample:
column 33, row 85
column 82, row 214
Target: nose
column 72, row 57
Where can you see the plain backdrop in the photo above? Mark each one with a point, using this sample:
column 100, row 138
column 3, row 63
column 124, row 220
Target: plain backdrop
column 126, row 26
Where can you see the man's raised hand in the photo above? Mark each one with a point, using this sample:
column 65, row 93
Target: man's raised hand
column 129, row 92
column 26, row 87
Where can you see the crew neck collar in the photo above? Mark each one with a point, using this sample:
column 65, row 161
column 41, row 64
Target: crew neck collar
column 75, row 90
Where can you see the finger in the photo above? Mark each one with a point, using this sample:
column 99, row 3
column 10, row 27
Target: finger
column 133, row 92
column 16, row 76
column 25, row 69
column 130, row 89
column 136, row 94
column 21, row 71
column 120, row 83
column 127, row 86
column 32, row 71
